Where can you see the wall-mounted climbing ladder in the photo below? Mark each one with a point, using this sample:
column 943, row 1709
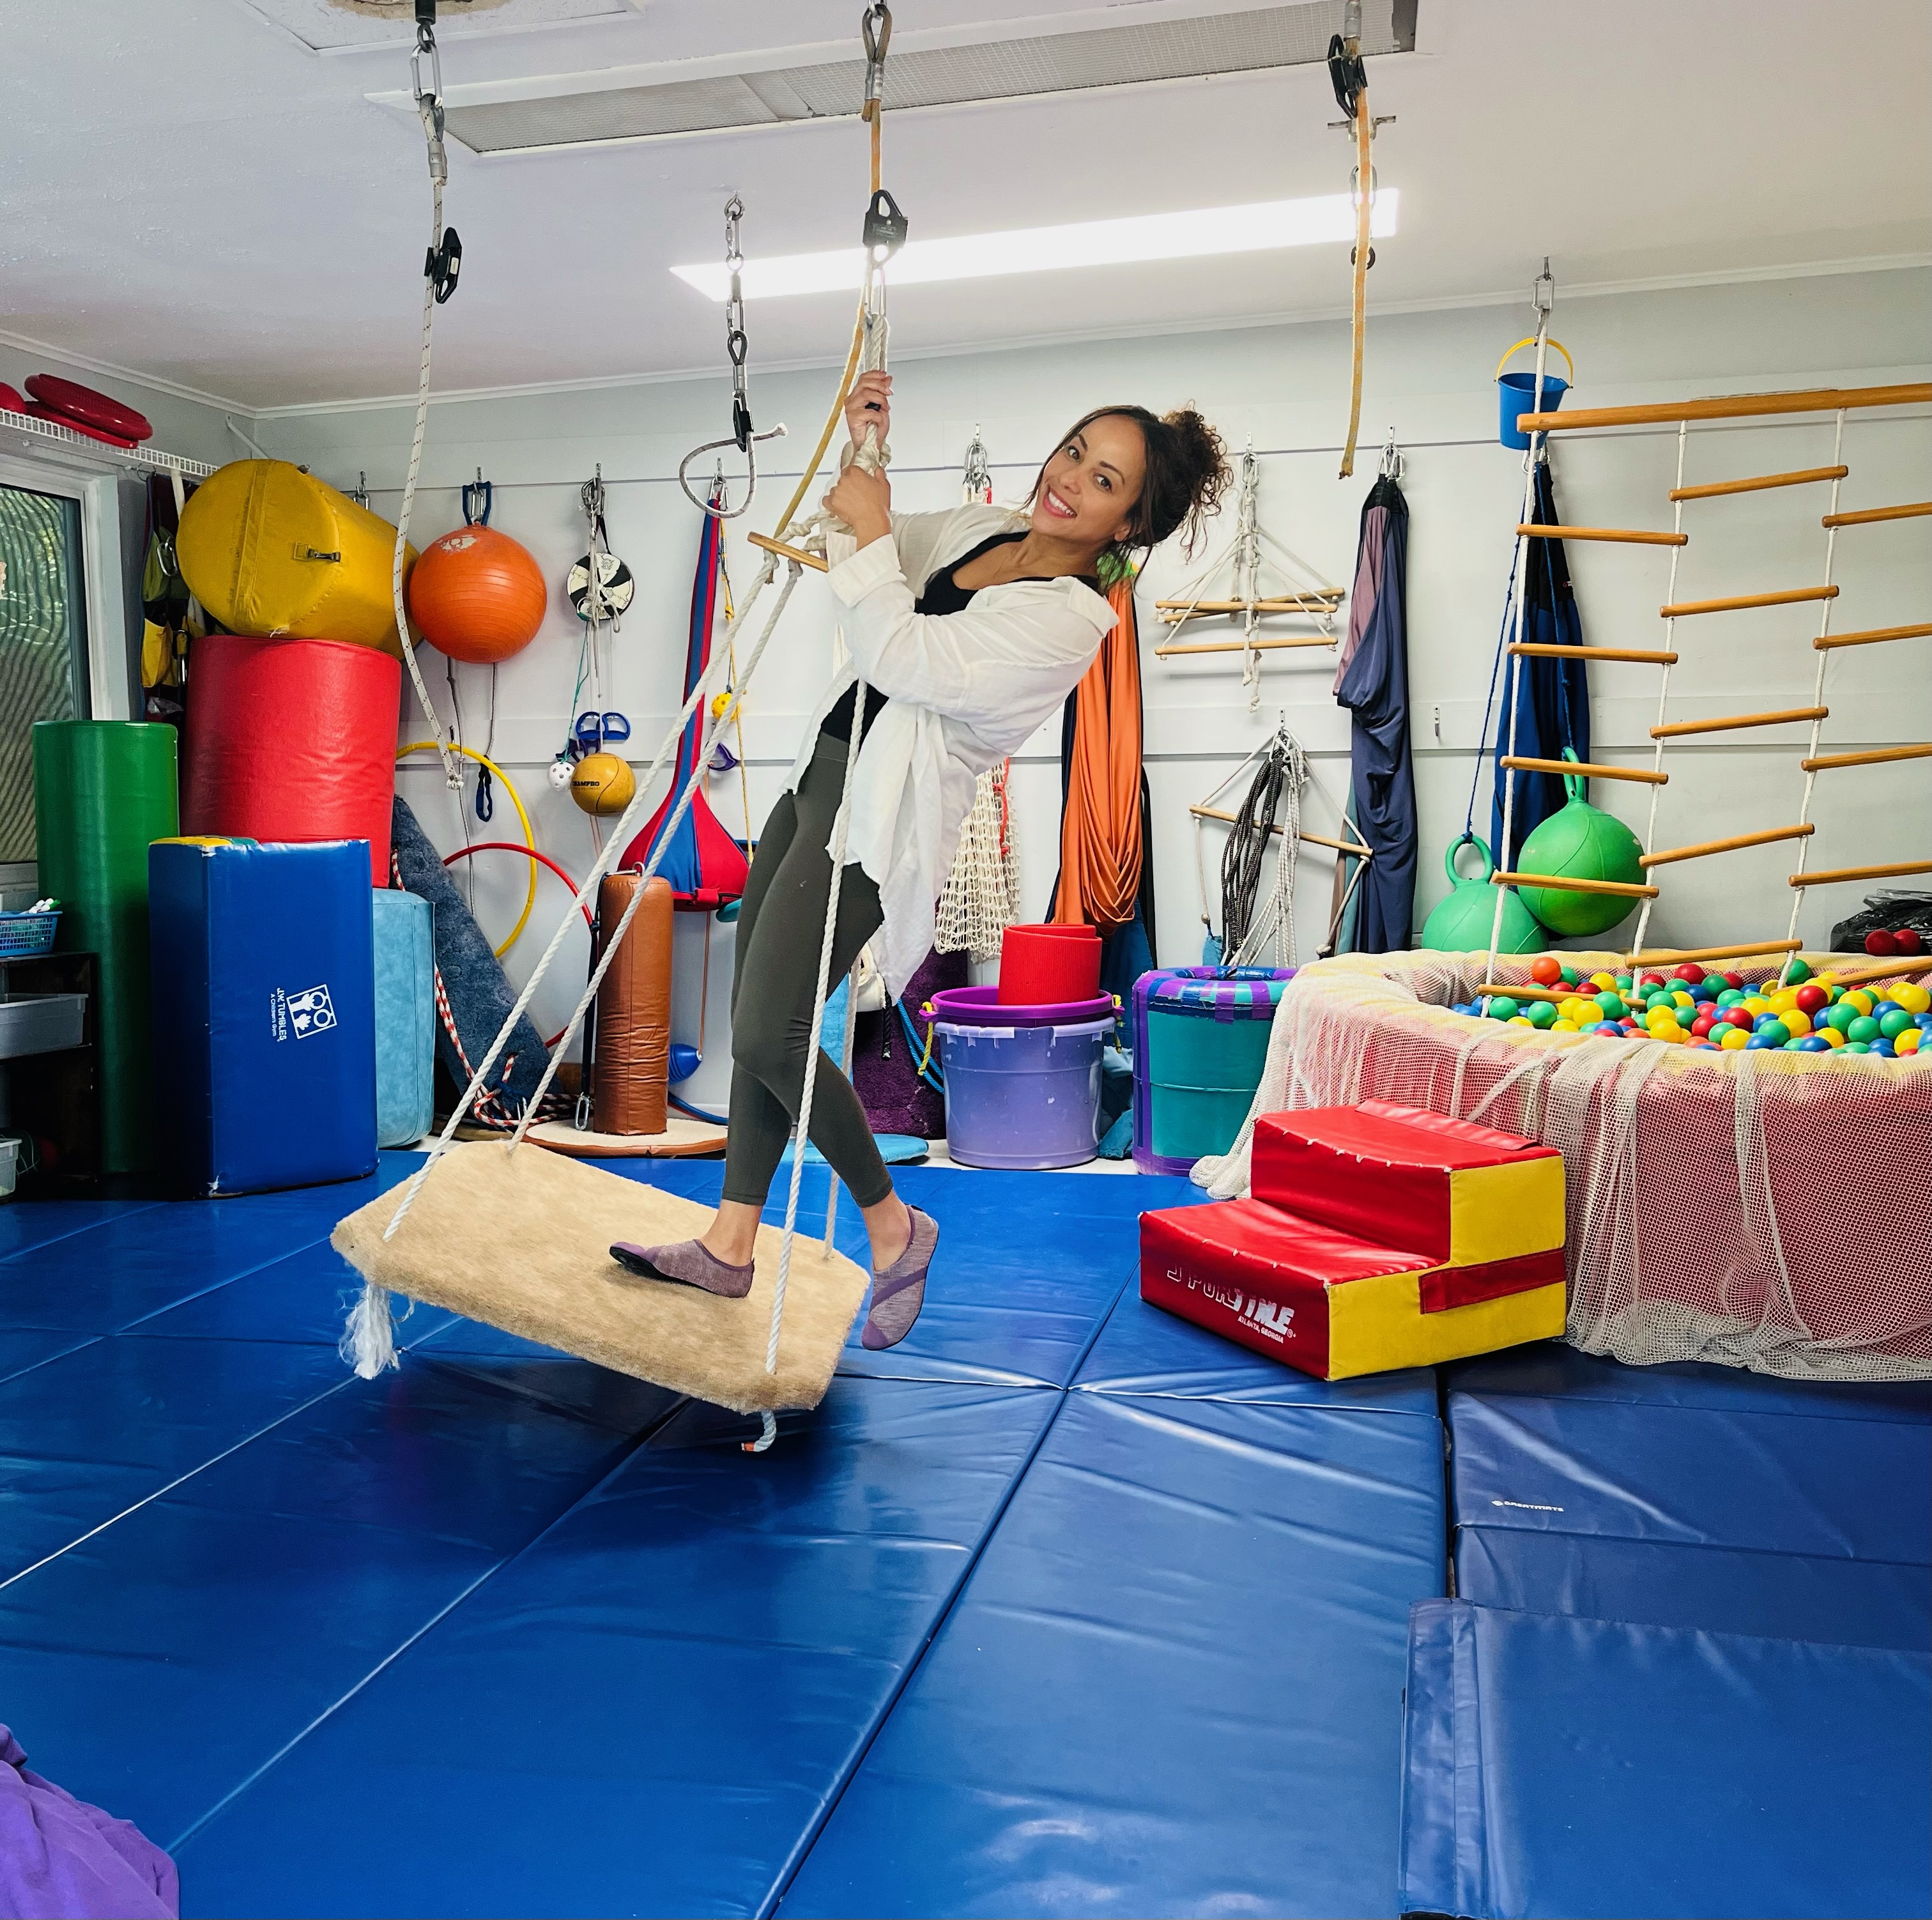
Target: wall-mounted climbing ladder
column 1683, row 414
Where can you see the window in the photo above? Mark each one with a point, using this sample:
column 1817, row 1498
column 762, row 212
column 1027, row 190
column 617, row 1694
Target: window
column 43, row 644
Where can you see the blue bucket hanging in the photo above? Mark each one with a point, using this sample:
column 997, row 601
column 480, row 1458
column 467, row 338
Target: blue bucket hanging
column 1517, row 393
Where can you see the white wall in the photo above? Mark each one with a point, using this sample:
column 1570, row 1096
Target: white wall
column 1429, row 377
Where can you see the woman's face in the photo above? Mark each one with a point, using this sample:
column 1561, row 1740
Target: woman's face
column 1090, row 484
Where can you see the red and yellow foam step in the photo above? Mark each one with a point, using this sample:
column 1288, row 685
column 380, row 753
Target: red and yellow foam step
column 1377, row 1237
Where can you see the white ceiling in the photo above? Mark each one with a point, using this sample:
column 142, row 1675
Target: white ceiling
column 191, row 193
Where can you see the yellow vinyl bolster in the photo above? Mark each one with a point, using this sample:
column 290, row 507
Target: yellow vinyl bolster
column 1376, row 1325
column 1502, row 1213
column 193, row 840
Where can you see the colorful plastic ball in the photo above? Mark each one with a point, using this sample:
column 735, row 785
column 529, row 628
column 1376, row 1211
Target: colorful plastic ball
column 1893, row 1022
column 1838, row 1018
column 1564, row 1027
column 1832, row 1037
column 1771, row 1030
column 1811, row 998
column 1908, row 1042
column 477, row 595
column 1914, row 998
column 1568, row 976
column 1739, row 1017
column 1812, row 1043
column 1520, row 1020
column 1881, row 944
column 1797, row 1020
column 1735, row 980
column 1545, row 971
column 1734, row 1038
column 1542, row 1014
column 1863, row 1001
column 1884, row 1050
column 1796, row 970
column 1712, row 986
column 1611, row 1006
column 1758, row 1040
column 1908, row 940
column 1856, row 1046
column 1503, row 1008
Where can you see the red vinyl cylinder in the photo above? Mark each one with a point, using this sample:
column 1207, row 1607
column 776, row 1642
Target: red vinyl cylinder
column 1043, row 966
column 292, row 740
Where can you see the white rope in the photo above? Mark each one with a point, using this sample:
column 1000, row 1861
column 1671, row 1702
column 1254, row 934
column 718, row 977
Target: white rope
column 451, row 771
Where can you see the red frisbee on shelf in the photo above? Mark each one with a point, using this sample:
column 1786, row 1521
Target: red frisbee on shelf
column 34, row 410
column 12, row 400
column 99, row 415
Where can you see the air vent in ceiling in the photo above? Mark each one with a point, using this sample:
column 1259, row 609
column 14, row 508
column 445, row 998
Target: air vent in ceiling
column 1248, row 41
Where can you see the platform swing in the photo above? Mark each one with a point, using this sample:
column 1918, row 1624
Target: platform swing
column 520, row 1239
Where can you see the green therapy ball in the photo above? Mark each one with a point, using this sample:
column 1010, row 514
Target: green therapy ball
column 1582, row 842
column 1461, row 924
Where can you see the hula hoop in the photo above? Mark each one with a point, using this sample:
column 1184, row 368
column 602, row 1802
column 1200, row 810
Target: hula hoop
column 516, row 800
column 530, row 852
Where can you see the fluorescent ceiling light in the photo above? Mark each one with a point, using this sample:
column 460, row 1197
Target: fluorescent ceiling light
column 1092, row 243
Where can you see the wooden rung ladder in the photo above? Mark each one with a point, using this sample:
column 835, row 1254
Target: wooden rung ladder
column 1623, row 889
column 1581, row 769
column 1643, row 656
column 1827, row 763
column 1871, row 516
column 1870, row 636
column 1831, row 876
column 1629, row 536
column 1757, row 483
column 1730, row 723
column 1741, row 602
column 1670, row 855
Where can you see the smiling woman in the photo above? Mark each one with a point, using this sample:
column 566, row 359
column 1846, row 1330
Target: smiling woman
column 966, row 630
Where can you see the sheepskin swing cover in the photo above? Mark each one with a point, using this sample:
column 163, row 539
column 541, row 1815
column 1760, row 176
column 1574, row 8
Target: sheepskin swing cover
column 521, row 1241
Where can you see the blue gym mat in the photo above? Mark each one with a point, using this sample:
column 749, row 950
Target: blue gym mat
column 1172, row 1684
column 1571, row 1768
column 1693, row 1496
column 649, row 1709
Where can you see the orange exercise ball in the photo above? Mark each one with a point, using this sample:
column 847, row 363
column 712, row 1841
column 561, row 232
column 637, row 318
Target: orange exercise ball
column 477, row 595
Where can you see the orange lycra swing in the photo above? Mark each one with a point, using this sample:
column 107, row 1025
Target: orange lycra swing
column 1101, row 823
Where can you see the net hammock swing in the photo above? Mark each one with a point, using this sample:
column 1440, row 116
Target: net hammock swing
column 520, row 1240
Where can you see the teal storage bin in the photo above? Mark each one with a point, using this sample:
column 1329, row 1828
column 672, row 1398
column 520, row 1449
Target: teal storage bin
column 1201, row 1039
column 405, row 1017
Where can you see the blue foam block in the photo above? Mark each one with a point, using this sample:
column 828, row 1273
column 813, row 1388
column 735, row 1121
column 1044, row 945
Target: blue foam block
column 650, row 1710
column 163, row 1662
column 405, row 1017
column 1172, row 1684
column 1581, row 1768
column 1700, row 1497
column 1145, row 1351
column 264, row 986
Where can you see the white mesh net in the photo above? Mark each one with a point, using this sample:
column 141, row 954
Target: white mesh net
column 982, row 896
column 1760, row 1209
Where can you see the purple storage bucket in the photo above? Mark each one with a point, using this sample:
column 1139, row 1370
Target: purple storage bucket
column 1213, row 1019
column 1023, row 1096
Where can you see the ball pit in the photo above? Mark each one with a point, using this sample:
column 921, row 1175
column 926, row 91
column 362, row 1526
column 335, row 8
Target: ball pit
column 1692, row 1006
column 1759, row 1205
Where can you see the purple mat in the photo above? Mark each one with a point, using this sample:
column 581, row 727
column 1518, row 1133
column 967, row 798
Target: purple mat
column 61, row 1859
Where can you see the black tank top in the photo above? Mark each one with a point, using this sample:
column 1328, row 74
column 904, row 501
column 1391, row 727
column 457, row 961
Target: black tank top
column 943, row 595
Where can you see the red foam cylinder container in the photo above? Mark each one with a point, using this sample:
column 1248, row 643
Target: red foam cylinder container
column 1043, row 965
column 292, row 740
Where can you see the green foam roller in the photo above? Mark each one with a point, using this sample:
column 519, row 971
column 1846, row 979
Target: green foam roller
column 103, row 790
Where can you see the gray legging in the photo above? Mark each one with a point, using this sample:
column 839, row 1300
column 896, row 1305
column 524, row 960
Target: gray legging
column 773, row 985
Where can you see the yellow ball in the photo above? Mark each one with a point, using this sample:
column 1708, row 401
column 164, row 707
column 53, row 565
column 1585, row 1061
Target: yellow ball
column 1784, row 996
column 1606, row 981
column 1908, row 1041
column 602, row 784
column 1685, row 999
column 1914, row 998
column 1520, row 1020
column 1756, row 1003
column 1832, row 1037
column 1797, row 1021
column 1734, row 1039
column 1856, row 997
column 1560, row 1025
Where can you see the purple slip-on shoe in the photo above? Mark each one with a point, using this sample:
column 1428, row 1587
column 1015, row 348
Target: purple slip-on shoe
column 688, row 1264
column 899, row 1292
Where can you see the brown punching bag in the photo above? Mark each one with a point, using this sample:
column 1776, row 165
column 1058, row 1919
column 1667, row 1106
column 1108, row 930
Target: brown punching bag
column 632, row 1070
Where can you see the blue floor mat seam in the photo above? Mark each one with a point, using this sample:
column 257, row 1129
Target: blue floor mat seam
column 389, row 1659
column 180, row 1480
column 40, row 1246
column 802, row 1852
column 247, row 1272
column 83, row 1341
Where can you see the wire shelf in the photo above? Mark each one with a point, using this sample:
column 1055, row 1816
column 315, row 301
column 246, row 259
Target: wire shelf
column 35, row 428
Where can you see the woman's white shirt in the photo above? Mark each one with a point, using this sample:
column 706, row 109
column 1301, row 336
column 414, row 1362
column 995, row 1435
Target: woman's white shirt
column 965, row 690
